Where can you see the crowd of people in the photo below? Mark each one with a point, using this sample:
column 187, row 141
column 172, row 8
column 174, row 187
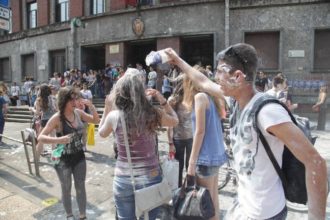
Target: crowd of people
column 191, row 102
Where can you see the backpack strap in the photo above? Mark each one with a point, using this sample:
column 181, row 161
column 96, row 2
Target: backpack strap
column 264, row 141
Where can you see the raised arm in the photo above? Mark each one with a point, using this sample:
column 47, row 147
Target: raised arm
column 90, row 118
column 199, row 79
column 168, row 115
column 106, row 127
column 107, row 109
column 316, row 169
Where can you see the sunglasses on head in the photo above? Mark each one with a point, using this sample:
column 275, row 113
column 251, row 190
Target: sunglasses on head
column 231, row 52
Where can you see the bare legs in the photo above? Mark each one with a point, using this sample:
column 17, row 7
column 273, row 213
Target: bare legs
column 211, row 183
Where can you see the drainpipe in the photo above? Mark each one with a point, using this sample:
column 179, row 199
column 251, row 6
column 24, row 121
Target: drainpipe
column 74, row 52
column 226, row 23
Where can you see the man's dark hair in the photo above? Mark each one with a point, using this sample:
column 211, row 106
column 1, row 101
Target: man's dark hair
column 241, row 57
column 277, row 80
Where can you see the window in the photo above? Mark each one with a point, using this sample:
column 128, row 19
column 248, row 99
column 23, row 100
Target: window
column 98, row 6
column 322, row 50
column 62, row 10
column 5, row 74
column 267, row 45
column 28, row 67
column 32, row 14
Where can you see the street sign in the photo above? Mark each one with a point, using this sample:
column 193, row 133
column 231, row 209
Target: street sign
column 4, row 3
column 4, row 24
column 4, row 12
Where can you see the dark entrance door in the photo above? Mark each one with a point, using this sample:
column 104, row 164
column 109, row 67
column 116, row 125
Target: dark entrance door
column 93, row 57
column 137, row 51
column 198, row 49
column 57, row 62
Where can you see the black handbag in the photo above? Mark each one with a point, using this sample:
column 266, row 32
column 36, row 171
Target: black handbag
column 192, row 202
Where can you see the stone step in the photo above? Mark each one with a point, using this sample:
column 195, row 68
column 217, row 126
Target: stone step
column 99, row 105
column 22, row 116
column 18, row 120
column 20, row 112
column 19, row 108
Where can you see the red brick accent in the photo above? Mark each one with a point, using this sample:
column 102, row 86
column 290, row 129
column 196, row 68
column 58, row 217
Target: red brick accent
column 173, row 42
column 16, row 7
column 118, row 4
column 43, row 12
column 115, row 58
column 76, row 8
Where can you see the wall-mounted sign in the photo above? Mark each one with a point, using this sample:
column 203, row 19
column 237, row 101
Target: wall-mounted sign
column 4, row 12
column 4, row 24
column 42, row 67
column 138, row 26
column 114, row 48
column 296, row 53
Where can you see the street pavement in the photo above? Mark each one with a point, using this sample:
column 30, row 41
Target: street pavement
column 25, row 196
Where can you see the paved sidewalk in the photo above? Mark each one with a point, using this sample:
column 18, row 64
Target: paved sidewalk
column 25, row 196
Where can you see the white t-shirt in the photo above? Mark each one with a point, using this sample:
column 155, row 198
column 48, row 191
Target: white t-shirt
column 272, row 92
column 14, row 90
column 260, row 192
column 86, row 94
column 152, row 76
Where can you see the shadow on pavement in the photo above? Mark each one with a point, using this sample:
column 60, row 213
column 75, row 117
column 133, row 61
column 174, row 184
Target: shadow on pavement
column 35, row 178
column 56, row 211
column 100, row 158
column 26, row 186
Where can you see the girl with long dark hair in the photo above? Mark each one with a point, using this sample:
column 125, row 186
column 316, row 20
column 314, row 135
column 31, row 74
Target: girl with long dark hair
column 69, row 127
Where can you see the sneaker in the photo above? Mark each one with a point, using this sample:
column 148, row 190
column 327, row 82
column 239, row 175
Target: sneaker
column 70, row 217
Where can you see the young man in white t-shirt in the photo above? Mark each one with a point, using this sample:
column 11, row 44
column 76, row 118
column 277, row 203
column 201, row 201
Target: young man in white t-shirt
column 15, row 92
column 260, row 193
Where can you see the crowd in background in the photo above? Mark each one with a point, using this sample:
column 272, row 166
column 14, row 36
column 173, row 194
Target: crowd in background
column 183, row 107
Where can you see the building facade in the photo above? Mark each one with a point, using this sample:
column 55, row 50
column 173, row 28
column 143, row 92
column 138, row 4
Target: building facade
column 291, row 36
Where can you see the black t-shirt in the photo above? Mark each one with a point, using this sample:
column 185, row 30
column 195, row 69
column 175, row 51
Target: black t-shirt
column 261, row 83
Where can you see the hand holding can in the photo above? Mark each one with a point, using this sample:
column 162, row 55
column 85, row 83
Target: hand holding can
column 156, row 57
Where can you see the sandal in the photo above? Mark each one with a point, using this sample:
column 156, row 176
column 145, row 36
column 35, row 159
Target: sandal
column 82, row 218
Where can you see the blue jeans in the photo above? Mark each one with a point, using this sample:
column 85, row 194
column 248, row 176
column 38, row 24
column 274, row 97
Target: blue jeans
column 124, row 196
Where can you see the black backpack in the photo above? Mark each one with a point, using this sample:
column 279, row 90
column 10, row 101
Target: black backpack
column 292, row 173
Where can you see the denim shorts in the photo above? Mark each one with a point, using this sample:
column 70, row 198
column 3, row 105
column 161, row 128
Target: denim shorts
column 206, row 171
column 124, row 196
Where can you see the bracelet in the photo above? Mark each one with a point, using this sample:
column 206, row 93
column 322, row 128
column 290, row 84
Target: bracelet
column 164, row 103
column 171, row 144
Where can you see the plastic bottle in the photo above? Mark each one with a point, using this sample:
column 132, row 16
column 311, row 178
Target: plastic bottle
column 156, row 57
